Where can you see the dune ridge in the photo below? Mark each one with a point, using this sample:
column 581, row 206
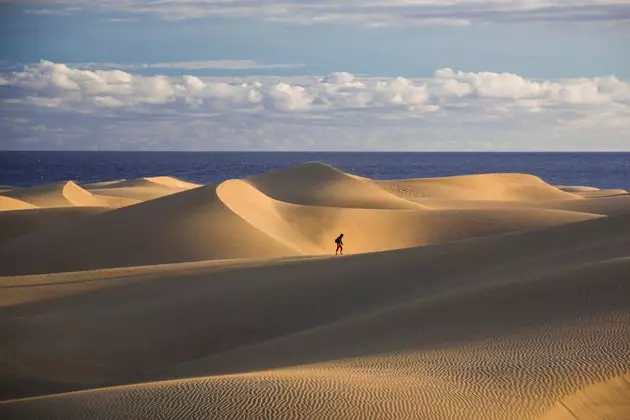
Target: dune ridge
column 490, row 297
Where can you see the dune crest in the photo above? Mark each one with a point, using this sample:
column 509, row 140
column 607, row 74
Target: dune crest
column 317, row 184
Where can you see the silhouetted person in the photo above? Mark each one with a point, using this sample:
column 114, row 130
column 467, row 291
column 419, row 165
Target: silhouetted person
column 339, row 242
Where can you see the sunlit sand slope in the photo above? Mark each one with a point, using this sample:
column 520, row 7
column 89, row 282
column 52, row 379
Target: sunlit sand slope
column 8, row 203
column 60, row 194
column 608, row 400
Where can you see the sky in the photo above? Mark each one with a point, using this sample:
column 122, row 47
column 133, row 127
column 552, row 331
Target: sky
column 343, row 75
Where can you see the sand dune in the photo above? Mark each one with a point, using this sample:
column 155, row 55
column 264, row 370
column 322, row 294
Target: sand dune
column 20, row 222
column 161, row 181
column 236, row 220
column 190, row 226
column 128, row 192
column 520, row 321
column 591, row 192
column 518, row 308
column 60, row 194
column 8, row 203
column 576, row 188
column 605, row 400
column 317, row 184
column 505, row 187
column 605, row 205
column 602, row 193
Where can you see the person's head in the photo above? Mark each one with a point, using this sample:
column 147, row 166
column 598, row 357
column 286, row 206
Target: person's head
column 341, row 236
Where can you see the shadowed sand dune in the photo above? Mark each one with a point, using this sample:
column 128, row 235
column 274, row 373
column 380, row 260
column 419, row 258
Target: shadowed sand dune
column 20, row 222
column 576, row 188
column 600, row 205
column 525, row 318
column 511, row 311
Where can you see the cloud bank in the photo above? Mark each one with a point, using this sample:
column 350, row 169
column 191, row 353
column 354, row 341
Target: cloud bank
column 49, row 84
column 377, row 12
column 452, row 105
column 191, row 65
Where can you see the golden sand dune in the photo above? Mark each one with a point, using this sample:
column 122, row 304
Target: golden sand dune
column 237, row 220
column 316, row 184
column 504, row 187
column 59, row 194
column 162, row 181
column 8, row 203
column 127, row 192
column 19, row 222
column 520, row 321
column 191, row 226
column 311, row 228
column 516, row 307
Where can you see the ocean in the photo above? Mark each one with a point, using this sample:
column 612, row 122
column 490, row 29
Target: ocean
column 602, row 170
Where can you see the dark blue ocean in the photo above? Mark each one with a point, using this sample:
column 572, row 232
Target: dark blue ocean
column 603, row 170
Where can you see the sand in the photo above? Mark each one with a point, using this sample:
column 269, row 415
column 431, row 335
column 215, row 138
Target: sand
column 122, row 193
column 474, row 297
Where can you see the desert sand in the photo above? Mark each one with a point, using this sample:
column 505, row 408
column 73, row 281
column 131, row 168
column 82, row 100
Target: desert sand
column 493, row 296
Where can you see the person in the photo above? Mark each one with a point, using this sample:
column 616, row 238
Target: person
column 339, row 243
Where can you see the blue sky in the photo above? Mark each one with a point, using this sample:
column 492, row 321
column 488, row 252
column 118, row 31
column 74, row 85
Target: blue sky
column 307, row 75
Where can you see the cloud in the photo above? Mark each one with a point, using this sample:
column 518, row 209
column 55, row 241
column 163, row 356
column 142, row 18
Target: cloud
column 377, row 13
column 66, row 11
column 457, row 107
column 54, row 84
column 192, row 65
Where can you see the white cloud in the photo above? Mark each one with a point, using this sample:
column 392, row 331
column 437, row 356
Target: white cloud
column 447, row 105
column 191, row 65
column 55, row 84
column 376, row 13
